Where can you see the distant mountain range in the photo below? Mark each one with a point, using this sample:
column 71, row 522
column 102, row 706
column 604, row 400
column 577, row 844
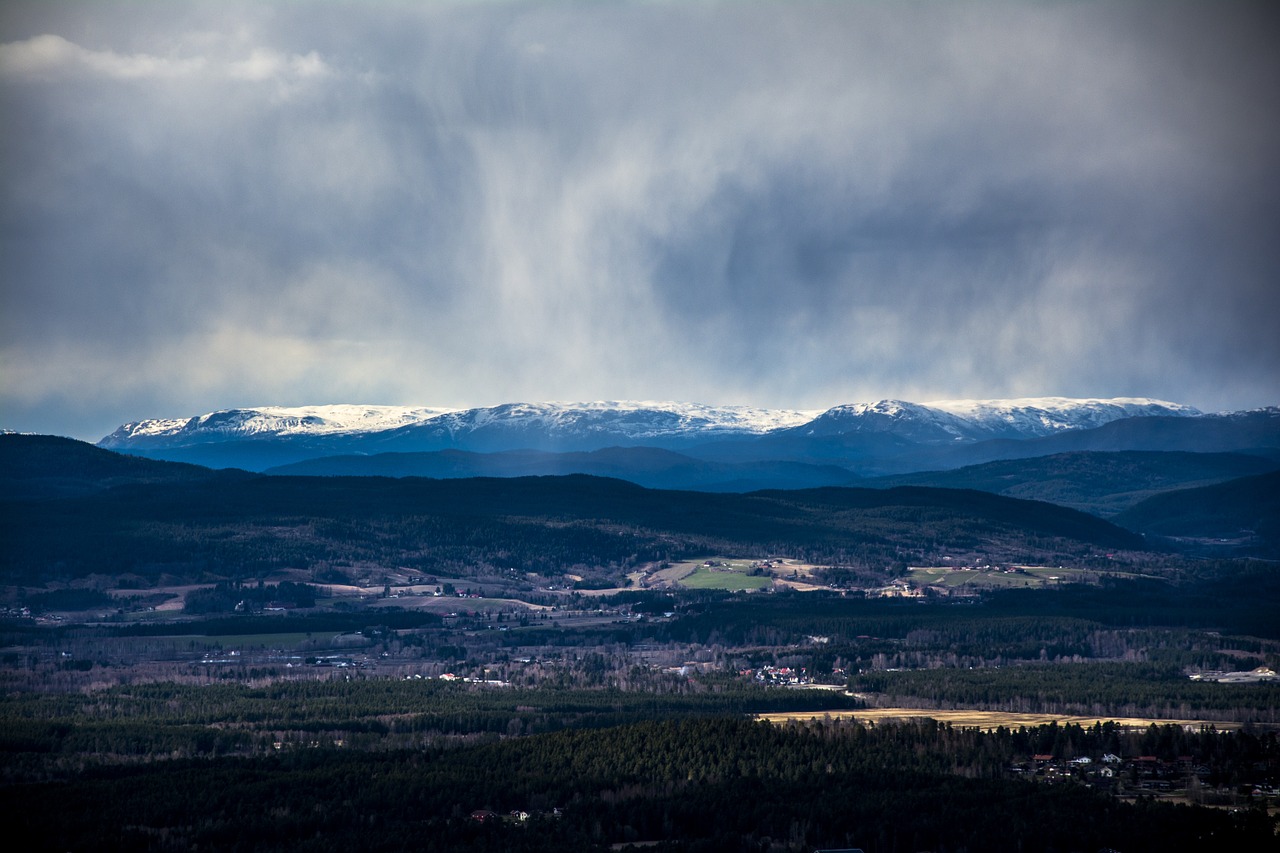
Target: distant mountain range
column 260, row 438
column 690, row 446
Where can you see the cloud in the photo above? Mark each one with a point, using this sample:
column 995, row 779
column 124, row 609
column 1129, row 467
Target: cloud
column 267, row 65
column 46, row 54
column 783, row 204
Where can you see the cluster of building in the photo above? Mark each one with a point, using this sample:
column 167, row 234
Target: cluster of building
column 778, row 675
column 467, row 679
column 1143, row 774
column 1261, row 675
column 514, row 816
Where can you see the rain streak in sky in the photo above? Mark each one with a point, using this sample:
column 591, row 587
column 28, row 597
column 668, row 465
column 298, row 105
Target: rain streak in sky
column 780, row 204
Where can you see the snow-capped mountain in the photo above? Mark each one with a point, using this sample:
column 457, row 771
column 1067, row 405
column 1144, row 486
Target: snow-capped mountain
column 267, row 421
column 262, row 437
column 627, row 422
column 1040, row 416
column 909, row 421
column 948, row 421
column 589, row 426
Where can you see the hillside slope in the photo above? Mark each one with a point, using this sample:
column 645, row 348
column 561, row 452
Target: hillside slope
column 646, row 466
column 1242, row 515
column 1255, row 433
column 1097, row 482
column 48, row 466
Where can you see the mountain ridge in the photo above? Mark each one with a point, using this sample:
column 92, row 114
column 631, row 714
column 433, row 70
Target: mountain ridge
column 270, row 436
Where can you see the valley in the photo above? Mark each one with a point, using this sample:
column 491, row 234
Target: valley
column 576, row 662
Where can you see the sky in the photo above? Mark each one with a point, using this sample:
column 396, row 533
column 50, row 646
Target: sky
column 793, row 205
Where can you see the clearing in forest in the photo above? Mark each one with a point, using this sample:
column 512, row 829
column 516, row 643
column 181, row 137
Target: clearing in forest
column 986, row 720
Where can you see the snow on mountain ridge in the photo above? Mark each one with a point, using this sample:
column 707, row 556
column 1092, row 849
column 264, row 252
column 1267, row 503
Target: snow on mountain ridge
column 913, row 420
column 634, row 419
column 629, row 421
column 695, row 416
column 1048, row 415
column 975, row 420
column 281, row 420
column 626, row 418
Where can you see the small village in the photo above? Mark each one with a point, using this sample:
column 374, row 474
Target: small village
column 1260, row 675
column 1181, row 778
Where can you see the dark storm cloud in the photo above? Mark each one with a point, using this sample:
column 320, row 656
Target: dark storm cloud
column 784, row 204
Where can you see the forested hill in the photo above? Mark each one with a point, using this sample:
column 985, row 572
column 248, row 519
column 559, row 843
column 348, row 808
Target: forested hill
column 1245, row 511
column 651, row 467
column 1096, row 482
column 246, row 524
column 44, row 466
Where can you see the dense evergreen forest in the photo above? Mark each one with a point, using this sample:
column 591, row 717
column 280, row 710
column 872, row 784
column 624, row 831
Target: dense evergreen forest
column 1121, row 689
column 693, row 785
column 56, row 731
column 595, row 749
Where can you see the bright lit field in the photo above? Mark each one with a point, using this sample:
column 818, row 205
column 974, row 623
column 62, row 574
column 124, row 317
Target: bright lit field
column 1030, row 576
column 731, row 579
column 989, row 720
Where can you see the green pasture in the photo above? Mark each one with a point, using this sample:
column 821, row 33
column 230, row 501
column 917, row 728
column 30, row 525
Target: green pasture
column 729, row 579
column 255, row 641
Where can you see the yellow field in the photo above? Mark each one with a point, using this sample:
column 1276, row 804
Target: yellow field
column 986, row 720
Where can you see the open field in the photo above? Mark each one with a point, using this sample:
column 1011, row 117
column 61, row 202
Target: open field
column 1007, row 577
column 994, row 578
column 734, row 574
column 988, row 720
column 703, row 578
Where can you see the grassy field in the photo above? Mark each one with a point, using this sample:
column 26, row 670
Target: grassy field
column 986, row 720
column 256, row 641
column 735, row 574
column 730, row 579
